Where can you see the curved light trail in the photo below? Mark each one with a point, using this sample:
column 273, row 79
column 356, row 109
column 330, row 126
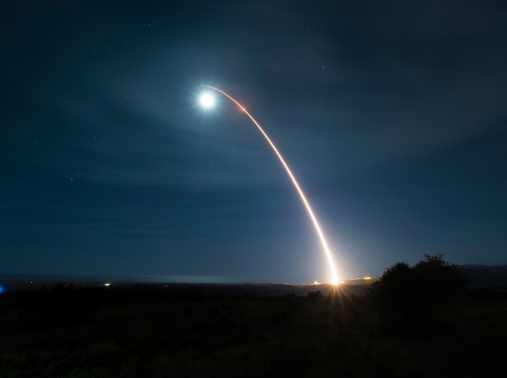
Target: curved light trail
column 334, row 275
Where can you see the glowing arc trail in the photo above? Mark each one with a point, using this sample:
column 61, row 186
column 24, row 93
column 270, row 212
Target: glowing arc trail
column 301, row 194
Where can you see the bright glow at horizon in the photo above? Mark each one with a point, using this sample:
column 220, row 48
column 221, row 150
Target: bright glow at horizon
column 207, row 100
column 334, row 275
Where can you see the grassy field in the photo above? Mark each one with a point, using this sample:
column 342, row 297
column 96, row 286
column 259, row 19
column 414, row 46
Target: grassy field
column 148, row 332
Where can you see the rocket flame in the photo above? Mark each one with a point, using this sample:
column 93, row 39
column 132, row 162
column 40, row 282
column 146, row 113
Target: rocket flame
column 334, row 275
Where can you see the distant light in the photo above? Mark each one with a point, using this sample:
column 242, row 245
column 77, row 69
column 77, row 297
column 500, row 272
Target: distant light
column 367, row 278
column 207, row 100
column 315, row 282
column 1, row 289
column 107, row 284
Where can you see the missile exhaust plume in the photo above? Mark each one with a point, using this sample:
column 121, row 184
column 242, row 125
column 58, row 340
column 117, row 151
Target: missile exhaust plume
column 334, row 275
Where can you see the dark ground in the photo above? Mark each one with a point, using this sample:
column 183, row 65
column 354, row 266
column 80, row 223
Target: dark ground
column 239, row 331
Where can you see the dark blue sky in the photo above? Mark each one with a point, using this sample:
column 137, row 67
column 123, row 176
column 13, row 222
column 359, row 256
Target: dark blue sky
column 391, row 114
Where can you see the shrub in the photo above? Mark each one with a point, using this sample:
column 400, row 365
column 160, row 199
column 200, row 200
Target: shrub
column 315, row 294
column 409, row 298
column 441, row 283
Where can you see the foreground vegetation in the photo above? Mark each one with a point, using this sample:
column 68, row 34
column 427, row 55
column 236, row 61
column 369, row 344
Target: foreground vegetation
column 148, row 332
column 414, row 322
column 417, row 299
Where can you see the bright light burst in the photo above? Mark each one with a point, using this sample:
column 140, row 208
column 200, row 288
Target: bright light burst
column 207, row 100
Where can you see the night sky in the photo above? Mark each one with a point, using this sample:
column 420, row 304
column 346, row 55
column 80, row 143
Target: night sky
column 391, row 114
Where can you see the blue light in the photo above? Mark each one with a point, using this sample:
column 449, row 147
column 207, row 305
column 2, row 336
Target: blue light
column 1, row 289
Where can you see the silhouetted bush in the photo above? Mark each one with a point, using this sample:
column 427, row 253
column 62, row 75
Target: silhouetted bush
column 315, row 294
column 409, row 298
